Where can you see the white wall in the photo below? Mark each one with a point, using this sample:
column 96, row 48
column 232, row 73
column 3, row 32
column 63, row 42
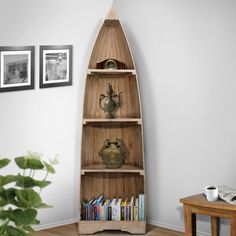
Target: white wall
column 49, row 120
column 185, row 55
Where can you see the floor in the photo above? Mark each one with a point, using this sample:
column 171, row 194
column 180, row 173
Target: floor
column 71, row 230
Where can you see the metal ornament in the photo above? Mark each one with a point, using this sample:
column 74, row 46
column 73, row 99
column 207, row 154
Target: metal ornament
column 109, row 104
column 113, row 153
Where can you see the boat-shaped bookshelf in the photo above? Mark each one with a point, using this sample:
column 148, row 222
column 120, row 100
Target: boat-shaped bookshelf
column 111, row 63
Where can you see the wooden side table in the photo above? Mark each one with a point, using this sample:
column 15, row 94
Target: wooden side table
column 198, row 204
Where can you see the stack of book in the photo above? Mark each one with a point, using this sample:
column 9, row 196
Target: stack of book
column 115, row 209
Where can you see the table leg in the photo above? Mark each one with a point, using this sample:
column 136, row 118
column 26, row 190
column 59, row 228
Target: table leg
column 215, row 226
column 189, row 221
column 233, row 226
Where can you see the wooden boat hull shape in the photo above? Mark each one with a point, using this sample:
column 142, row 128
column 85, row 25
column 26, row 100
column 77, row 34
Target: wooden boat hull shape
column 95, row 179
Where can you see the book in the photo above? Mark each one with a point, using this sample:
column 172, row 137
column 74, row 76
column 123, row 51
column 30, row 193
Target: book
column 111, row 204
column 97, row 208
column 123, row 209
column 131, row 207
column 106, row 205
column 141, row 207
column 89, row 210
column 136, row 210
column 116, row 210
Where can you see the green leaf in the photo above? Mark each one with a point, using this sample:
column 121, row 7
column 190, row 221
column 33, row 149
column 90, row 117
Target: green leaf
column 29, row 163
column 35, row 164
column 9, row 196
column 23, row 202
column 29, row 198
column 21, row 162
column 35, row 222
column 4, row 162
column 49, row 168
column 12, row 231
column 3, row 202
column 7, row 179
column 41, row 183
column 3, row 228
column 24, row 217
column 28, row 228
column 28, row 182
column 24, row 181
column 4, row 215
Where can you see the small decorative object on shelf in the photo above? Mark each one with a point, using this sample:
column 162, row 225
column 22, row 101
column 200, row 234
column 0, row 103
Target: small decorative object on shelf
column 109, row 105
column 113, row 153
column 111, row 64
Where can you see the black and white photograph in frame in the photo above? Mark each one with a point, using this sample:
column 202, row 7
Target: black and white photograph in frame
column 55, row 66
column 16, row 68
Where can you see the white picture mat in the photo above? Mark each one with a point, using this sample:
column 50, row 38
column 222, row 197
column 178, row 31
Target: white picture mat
column 45, row 52
column 6, row 53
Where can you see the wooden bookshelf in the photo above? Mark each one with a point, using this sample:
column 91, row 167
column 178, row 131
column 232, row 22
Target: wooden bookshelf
column 135, row 227
column 121, row 120
column 101, row 168
column 111, row 72
column 95, row 179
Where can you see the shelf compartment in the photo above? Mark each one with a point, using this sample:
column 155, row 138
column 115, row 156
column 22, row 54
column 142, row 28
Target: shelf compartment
column 111, row 43
column 111, row 185
column 101, row 168
column 121, row 120
column 94, row 135
column 111, row 72
column 97, row 85
column 91, row 227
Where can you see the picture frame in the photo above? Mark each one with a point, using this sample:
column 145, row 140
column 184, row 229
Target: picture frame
column 16, row 68
column 55, row 66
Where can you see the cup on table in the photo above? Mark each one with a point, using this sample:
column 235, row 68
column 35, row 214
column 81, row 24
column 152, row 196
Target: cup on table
column 212, row 193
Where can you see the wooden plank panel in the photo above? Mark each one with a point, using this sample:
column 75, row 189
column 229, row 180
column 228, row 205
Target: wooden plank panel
column 95, row 134
column 97, row 85
column 127, row 185
column 111, row 43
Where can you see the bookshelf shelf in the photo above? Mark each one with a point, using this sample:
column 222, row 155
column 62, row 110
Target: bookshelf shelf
column 134, row 227
column 110, row 72
column 121, row 120
column 101, row 168
column 126, row 184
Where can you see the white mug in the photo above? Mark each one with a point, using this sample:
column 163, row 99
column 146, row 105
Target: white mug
column 211, row 193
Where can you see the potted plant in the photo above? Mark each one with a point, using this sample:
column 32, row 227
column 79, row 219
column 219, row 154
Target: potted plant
column 20, row 194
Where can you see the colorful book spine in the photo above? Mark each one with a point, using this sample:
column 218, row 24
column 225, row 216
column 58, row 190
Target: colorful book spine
column 116, row 210
column 136, row 210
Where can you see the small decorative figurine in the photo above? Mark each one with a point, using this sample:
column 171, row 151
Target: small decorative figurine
column 113, row 153
column 109, row 105
column 111, row 65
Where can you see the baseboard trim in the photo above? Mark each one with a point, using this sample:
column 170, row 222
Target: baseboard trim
column 55, row 224
column 173, row 227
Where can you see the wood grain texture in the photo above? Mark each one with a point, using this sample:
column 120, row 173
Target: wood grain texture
column 215, row 226
column 97, row 84
column 72, row 230
column 112, row 185
column 111, row 43
column 95, row 180
column 198, row 204
column 95, row 134
column 91, row 227
column 200, row 200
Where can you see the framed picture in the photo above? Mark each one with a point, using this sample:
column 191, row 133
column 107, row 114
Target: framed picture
column 55, row 66
column 16, row 68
